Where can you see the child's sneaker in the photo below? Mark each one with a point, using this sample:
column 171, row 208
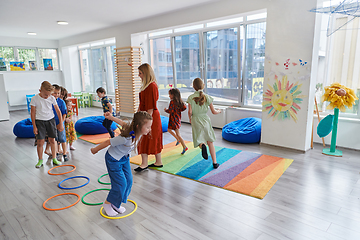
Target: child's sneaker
column 39, row 164
column 56, row 162
column 72, row 148
column 65, row 158
column 177, row 143
column 216, row 165
column 184, row 150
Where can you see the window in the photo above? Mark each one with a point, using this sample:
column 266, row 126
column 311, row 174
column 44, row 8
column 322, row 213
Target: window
column 160, row 52
column 86, row 84
column 48, row 54
column 339, row 58
column 97, row 68
column 26, row 55
column 254, row 63
column 228, row 54
column 188, row 63
column 222, row 64
column 7, row 55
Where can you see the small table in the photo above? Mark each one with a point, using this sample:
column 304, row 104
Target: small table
column 74, row 105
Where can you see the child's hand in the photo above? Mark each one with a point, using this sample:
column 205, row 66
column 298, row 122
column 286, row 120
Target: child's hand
column 107, row 115
column 165, row 109
column 67, row 120
column 219, row 110
column 93, row 150
column 60, row 127
column 35, row 130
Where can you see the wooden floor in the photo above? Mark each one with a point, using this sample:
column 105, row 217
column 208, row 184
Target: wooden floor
column 316, row 198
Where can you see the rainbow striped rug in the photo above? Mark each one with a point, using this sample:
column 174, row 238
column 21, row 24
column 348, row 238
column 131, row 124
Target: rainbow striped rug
column 245, row 172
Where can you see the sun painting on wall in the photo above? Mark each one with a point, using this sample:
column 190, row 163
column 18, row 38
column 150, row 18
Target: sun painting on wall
column 282, row 100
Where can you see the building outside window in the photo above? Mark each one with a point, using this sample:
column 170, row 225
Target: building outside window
column 230, row 60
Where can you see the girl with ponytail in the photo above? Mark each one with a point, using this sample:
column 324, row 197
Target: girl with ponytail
column 117, row 159
column 202, row 131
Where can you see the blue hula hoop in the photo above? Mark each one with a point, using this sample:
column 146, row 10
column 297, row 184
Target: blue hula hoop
column 74, row 187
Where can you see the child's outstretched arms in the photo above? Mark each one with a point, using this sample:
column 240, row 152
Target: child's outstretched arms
column 109, row 116
column 102, row 145
column 213, row 110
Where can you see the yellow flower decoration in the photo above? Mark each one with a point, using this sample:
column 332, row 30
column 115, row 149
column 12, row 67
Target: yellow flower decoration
column 339, row 96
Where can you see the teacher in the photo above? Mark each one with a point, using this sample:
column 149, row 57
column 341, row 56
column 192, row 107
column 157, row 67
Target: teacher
column 150, row 144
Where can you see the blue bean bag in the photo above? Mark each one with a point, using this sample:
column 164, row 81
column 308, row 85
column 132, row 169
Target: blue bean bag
column 92, row 125
column 164, row 123
column 247, row 130
column 24, row 129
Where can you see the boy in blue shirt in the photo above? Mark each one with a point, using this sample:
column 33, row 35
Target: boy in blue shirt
column 61, row 135
column 107, row 108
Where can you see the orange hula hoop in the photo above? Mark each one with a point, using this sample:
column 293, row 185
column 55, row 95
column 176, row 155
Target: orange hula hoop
column 57, row 209
column 74, row 167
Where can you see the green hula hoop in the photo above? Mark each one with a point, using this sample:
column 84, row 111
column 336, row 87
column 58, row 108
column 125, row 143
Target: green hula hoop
column 93, row 204
column 103, row 182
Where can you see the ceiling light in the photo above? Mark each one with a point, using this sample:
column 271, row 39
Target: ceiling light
column 32, row 33
column 62, row 23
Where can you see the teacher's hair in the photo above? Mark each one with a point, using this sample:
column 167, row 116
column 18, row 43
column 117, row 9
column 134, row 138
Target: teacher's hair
column 149, row 75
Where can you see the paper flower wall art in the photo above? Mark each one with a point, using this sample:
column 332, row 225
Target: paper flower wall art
column 282, row 99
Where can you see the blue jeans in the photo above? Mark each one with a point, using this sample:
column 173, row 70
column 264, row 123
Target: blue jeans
column 121, row 179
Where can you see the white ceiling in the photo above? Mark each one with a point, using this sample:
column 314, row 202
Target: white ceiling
column 19, row 17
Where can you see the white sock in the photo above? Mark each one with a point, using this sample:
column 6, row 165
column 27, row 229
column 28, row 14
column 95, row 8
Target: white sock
column 109, row 210
column 120, row 210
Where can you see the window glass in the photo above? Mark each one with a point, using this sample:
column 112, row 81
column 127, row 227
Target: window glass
column 97, row 68
column 48, row 54
column 110, row 69
column 86, row 85
column 160, row 56
column 7, row 55
column 187, row 60
column 254, row 63
column 26, row 55
column 222, row 65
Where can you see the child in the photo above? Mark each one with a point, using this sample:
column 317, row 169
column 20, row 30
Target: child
column 202, row 130
column 69, row 125
column 61, row 135
column 176, row 106
column 64, row 94
column 117, row 159
column 42, row 117
column 107, row 108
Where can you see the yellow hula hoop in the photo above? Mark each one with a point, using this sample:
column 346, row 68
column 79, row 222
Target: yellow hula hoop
column 101, row 212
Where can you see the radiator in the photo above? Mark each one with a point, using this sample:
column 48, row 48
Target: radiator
column 18, row 97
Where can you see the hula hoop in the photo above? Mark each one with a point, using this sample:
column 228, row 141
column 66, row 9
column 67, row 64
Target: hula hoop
column 92, row 204
column 101, row 181
column 74, row 167
column 101, row 212
column 74, row 187
column 56, row 209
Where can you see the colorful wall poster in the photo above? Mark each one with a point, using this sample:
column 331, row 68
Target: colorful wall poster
column 48, row 65
column 2, row 65
column 32, row 65
column 17, row 66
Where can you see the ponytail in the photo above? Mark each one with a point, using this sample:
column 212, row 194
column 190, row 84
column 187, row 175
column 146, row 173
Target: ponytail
column 134, row 128
column 198, row 85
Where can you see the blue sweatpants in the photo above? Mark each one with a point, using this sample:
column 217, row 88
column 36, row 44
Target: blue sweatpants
column 121, row 179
